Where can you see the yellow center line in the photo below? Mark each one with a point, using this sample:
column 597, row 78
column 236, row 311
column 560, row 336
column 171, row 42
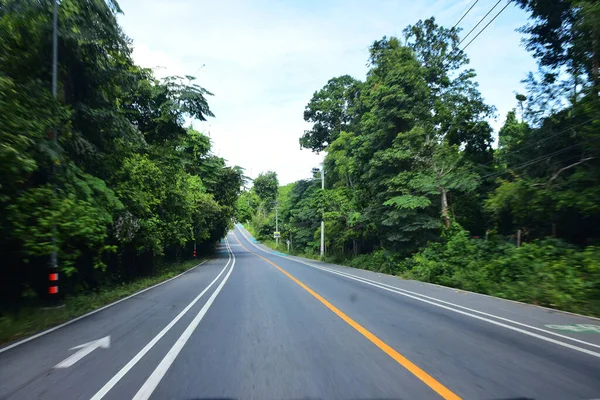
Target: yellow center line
column 440, row 389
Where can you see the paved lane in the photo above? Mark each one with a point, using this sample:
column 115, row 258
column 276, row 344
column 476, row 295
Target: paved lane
column 27, row 370
column 270, row 327
column 267, row 338
column 473, row 358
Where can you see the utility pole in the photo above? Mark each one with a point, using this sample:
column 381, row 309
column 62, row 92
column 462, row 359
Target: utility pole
column 323, row 216
column 53, row 273
column 322, row 171
column 276, row 223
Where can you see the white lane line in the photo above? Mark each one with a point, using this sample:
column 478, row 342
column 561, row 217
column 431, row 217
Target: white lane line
column 535, row 335
column 123, row 371
column 152, row 382
column 394, row 289
column 37, row 335
column 410, row 294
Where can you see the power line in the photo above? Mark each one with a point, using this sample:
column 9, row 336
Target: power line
column 488, row 24
column 568, row 159
column 480, row 21
column 534, row 161
column 546, row 138
column 479, row 33
column 465, row 14
column 556, row 134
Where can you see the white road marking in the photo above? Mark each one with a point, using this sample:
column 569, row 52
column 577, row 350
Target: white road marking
column 394, row 288
column 123, row 371
column 85, row 349
column 152, row 382
column 570, row 346
column 37, row 335
column 577, row 328
column 422, row 297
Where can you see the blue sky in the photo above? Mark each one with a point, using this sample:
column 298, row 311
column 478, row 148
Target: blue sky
column 263, row 60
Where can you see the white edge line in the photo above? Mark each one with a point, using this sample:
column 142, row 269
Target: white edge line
column 393, row 288
column 450, row 288
column 570, row 346
column 37, row 335
column 555, row 310
column 302, row 261
column 405, row 292
column 159, row 372
column 125, row 369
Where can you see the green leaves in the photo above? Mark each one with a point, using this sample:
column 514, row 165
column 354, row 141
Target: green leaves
column 409, row 202
column 40, row 214
column 331, row 110
column 266, row 187
column 125, row 182
column 189, row 98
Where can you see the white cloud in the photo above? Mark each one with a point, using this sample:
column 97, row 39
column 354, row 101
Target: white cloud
column 264, row 59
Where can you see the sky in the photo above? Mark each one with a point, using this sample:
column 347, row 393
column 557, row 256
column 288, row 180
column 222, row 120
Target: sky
column 264, row 59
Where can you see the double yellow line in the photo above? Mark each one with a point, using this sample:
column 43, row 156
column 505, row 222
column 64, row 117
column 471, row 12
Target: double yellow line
column 440, row 389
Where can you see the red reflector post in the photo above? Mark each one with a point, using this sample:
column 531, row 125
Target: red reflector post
column 53, row 277
column 53, row 289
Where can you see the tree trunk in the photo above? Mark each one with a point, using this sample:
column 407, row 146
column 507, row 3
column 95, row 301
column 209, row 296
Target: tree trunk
column 445, row 216
column 595, row 63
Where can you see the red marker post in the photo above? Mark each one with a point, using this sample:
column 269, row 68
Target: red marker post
column 53, row 284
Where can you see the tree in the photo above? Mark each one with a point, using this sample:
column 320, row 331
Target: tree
column 126, row 185
column 565, row 35
column 265, row 186
column 247, row 204
column 331, row 110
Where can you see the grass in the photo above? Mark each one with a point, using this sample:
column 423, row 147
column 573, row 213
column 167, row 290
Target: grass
column 272, row 245
column 31, row 320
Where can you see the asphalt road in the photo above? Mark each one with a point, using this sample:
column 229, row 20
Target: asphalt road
column 252, row 323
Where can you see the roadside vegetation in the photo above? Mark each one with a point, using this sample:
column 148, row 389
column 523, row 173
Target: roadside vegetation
column 417, row 183
column 108, row 175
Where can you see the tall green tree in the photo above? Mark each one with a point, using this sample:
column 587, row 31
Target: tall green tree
column 266, row 186
column 126, row 184
column 331, row 110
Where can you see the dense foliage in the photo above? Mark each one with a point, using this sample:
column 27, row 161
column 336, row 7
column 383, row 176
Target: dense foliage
column 125, row 184
column 414, row 185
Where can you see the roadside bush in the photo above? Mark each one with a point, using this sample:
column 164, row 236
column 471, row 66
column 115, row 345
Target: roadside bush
column 551, row 273
column 379, row 261
column 457, row 261
column 546, row 272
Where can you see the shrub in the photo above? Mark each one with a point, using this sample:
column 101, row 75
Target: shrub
column 547, row 272
column 379, row 261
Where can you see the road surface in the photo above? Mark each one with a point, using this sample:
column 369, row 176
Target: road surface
column 252, row 323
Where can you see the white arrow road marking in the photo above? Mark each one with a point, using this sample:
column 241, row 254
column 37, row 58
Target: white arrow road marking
column 86, row 349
